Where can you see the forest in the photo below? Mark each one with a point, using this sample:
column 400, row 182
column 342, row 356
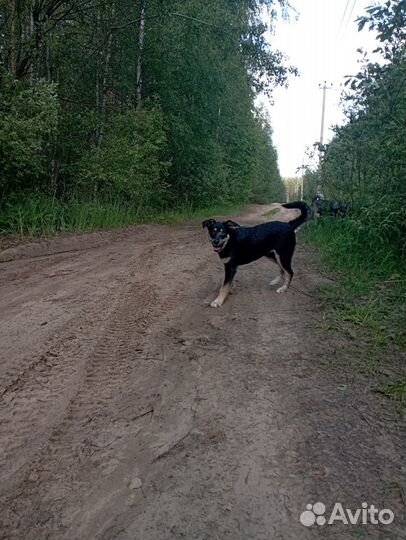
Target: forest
column 365, row 163
column 134, row 107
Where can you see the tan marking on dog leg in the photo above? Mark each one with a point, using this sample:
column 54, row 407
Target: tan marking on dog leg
column 222, row 295
column 277, row 279
column 286, row 283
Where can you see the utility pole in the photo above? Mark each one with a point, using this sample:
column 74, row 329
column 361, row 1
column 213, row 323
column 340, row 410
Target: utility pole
column 323, row 87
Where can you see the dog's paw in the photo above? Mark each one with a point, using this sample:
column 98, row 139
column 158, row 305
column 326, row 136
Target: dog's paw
column 216, row 303
column 282, row 289
column 276, row 280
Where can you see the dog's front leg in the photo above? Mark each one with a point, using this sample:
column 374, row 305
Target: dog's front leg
column 230, row 271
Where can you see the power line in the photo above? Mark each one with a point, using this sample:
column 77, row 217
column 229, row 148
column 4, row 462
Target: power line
column 345, row 11
column 342, row 28
column 351, row 11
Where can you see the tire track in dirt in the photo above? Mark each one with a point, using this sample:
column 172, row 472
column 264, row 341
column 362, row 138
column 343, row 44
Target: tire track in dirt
column 197, row 344
column 103, row 374
column 88, row 305
column 38, row 394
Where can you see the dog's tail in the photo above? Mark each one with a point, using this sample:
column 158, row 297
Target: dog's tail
column 305, row 213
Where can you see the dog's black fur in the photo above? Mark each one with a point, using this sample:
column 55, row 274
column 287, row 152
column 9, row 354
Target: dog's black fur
column 242, row 245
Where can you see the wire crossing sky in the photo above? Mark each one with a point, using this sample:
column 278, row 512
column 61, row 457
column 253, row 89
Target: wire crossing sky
column 322, row 43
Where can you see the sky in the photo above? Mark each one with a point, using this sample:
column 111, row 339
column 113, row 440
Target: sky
column 321, row 40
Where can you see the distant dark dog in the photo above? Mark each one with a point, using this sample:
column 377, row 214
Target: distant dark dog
column 241, row 245
column 338, row 208
column 323, row 207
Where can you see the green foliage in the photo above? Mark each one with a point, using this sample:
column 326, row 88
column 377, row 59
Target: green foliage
column 267, row 184
column 131, row 162
column 39, row 215
column 395, row 390
column 28, row 120
column 365, row 165
column 371, row 280
column 311, row 181
column 150, row 103
column 351, row 247
column 45, row 215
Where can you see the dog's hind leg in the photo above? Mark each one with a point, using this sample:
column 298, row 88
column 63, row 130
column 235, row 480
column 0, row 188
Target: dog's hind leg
column 286, row 263
column 285, row 260
column 230, row 272
column 272, row 256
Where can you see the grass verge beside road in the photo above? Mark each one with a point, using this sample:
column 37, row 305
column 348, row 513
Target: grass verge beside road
column 366, row 303
column 45, row 216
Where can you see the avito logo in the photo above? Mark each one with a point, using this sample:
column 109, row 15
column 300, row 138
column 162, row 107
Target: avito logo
column 315, row 514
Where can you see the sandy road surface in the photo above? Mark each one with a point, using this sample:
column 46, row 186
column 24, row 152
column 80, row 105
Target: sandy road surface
column 132, row 410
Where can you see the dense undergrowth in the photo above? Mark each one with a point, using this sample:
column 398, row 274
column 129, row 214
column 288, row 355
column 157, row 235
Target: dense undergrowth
column 366, row 302
column 364, row 165
column 39, row 216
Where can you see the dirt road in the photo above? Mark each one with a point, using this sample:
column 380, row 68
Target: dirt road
column 132, row 410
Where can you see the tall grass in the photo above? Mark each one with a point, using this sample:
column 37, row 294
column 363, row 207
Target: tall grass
column 351, row 246
column 369, row 264
column 39, row 215
column 367, row 301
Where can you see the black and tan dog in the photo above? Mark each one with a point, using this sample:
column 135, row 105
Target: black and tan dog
column 241, row 245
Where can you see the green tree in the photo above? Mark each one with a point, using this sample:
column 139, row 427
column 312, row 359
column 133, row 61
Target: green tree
column 144, row 101
column 365, row 163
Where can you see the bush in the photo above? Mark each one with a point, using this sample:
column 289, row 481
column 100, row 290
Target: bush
column 28, row 119
column 131, row 162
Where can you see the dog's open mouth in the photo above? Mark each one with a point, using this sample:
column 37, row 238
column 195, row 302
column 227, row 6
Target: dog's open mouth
column 220, row 247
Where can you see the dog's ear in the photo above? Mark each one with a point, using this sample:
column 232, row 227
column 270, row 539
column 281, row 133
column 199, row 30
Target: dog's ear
column 208, row 223
column 230, row 224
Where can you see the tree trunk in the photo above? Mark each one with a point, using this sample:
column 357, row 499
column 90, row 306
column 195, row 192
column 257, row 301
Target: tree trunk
column 97, row 89
column 139, row 61
column 13, row 38
column 106, row 77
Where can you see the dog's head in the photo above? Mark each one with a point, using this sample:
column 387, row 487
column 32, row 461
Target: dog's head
column 219, row 232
